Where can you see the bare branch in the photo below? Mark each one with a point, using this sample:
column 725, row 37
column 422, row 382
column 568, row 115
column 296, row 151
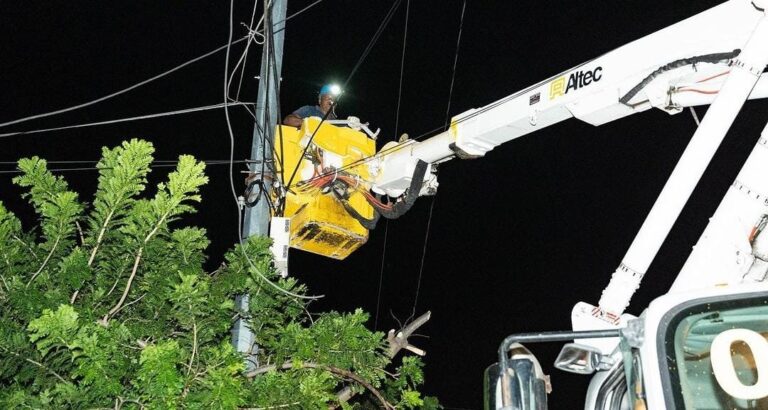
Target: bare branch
column 36, row 363
column 191, row 359
column 100, row 237
column 45, row 262
column 397, row 342
column 105, row 320
column 26, row 245
column 279, row 406
column 80, row 233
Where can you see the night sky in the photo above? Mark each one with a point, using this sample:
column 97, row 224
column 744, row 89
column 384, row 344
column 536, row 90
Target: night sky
column 515, row 239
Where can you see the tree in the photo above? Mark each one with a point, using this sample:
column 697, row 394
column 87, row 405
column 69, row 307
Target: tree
column 109, row 306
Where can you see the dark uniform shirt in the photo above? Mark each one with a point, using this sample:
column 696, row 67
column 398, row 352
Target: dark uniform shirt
column 312, row 111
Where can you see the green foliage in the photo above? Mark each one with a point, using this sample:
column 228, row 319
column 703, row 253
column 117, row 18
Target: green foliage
column 122, row 314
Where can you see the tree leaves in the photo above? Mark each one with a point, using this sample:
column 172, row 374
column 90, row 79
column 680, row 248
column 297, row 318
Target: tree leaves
column 165, row 341
column 54, row 329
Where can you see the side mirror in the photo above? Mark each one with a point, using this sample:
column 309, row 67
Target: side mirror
column 522, row 385
column 580, row 359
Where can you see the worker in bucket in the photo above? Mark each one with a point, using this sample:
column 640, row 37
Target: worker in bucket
column 325, row 105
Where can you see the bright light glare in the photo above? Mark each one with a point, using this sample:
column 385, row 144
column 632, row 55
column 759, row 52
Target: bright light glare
column 335, row 89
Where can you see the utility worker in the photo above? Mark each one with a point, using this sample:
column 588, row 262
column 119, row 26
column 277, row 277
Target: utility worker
column 325, row 103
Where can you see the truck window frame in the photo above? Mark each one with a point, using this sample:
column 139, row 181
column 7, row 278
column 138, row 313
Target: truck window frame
column 673, row 396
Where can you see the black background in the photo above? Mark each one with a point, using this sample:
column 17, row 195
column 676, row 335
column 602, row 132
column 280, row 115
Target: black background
column 516, row 238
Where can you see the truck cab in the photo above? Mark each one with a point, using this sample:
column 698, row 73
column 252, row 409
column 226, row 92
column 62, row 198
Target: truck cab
column 690, row 350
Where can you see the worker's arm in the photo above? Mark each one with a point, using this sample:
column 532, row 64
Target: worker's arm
column 292, row 120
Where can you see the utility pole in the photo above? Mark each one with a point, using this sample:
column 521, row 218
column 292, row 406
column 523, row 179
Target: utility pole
column 257, row 217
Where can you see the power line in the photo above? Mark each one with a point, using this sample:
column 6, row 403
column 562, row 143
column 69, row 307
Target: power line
column 94, row 161
column 295, row 14
column 402, row 65
column 397, row 120
column 244, row 57
column 128, row 119
column 423, row 256
column 149, row 80
column 124, row 90
column 168, row 165
column 455, row 60
column 434, row 199
column 381, row 274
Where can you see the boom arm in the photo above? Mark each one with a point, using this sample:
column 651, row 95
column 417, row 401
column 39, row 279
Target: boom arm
column 683, row 65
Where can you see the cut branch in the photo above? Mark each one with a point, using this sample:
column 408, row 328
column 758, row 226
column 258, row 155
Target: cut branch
column 397, row 342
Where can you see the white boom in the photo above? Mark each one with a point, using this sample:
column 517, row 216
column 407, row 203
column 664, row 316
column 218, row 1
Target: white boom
column 687, row 64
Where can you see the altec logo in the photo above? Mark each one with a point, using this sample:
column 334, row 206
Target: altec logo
column 576, row 80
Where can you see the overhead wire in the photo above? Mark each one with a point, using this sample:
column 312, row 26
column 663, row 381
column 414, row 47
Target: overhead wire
column 423, row 258
column 128, row 119
column 434, row 198
column 381, row 274
column 124, row 90
column 455, row 61
column 231, row 168
column 244, row 57
column 168, row 165
column 151, row 79
column 402, row 66
column 352, row 73
column 294, row 15
column 391, row 150
column 397, row 121
column 94, row 161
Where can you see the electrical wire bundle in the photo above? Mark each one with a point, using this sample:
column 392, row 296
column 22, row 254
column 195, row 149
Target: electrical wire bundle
column 342, row 185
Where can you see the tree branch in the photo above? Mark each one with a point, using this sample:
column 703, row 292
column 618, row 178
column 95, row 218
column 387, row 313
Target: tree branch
column 396, row 343
column 105, row 320
column 45, row 262
column 335, row 370
column 32, row 251
column 100, row 237
column 191, row 358
column 279, row 406
column 400, row 341
column 80, row 233
column 36, row 363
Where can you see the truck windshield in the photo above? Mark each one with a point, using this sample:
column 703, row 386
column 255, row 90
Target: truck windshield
column 739, row 329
